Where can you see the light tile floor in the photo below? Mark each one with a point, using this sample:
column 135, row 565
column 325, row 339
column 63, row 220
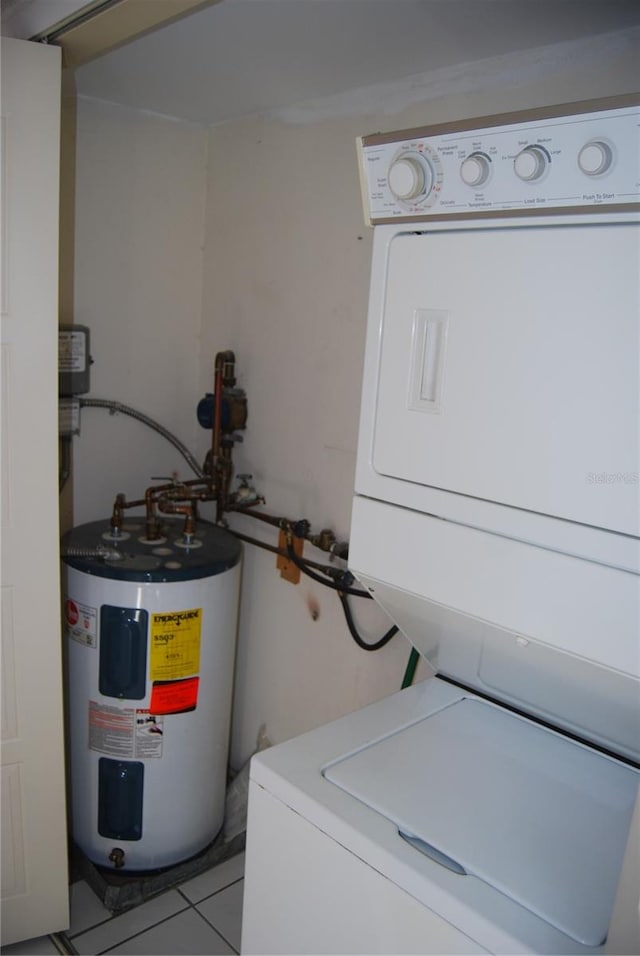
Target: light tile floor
column 201, row 917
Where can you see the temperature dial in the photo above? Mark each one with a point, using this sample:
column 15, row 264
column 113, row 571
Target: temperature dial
column 595, row 158
column 410, row 177
column 531, row 163
column 476, row 169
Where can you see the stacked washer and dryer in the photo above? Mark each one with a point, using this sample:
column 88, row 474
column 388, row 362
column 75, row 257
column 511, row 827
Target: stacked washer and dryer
column 496, row 519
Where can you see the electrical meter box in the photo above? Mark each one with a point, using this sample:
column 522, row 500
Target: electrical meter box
column 73, row 360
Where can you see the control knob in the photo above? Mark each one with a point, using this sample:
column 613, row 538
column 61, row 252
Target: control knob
column 476, row 169
column 531, row 163
column 595, row 158
column 410, row 177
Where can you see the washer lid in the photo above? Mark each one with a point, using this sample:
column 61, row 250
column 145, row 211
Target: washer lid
column 540, row 818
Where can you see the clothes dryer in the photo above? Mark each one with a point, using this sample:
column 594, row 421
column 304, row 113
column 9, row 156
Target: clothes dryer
column 495, row 519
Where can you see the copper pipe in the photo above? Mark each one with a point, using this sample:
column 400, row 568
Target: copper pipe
column 189, row 526
column 328, row 570
column 116, row 514
column 195, row 481
column 224, row 377
column 224, row 474
column 182, row 491
column 282, row 523
column 152, row 531
column 229, row 369
column 156, row 494
column 218, row 385
column 259, row 544
column 123, row 504
column 151, row 496
column 168, row 507
column 120, row 505
column 217, row 419
column 270, row 519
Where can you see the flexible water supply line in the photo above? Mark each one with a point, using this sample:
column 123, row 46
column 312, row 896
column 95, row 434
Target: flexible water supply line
column 101, row 551
column 114, row 407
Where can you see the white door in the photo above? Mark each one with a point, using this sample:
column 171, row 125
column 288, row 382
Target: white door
column 509, row 368
column 34, row 840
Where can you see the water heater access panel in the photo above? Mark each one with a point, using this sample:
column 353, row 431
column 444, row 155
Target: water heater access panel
column 567, row 158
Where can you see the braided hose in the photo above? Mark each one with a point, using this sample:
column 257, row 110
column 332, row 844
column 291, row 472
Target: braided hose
column 104, row 553
column 114, row 407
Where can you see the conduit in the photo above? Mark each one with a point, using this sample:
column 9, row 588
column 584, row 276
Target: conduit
column 114, row 407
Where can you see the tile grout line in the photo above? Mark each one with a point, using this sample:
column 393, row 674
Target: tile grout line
column 65, row 945
column 146, row 929
column 215, row 929
column 219, row 932
column 89, row 929
column 215, row 892
column 115, row 916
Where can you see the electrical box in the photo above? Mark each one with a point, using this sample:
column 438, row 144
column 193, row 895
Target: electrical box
column 73, row 360
column 68, row 417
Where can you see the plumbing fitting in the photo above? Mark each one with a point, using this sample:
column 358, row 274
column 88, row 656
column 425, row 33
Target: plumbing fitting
column 246, row 493
column 325, row 541
column 116, row 515
column 167, row 506
column 300, row 529
column 224, row 410
column 117, row 857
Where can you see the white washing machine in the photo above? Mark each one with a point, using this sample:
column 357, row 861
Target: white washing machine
column 496, row 520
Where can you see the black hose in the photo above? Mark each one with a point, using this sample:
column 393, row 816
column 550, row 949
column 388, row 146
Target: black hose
column 354, row 633
column 337, row 586
column 343, row 593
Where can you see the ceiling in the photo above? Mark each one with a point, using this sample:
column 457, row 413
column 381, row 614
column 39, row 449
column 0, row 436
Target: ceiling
column 242, row 57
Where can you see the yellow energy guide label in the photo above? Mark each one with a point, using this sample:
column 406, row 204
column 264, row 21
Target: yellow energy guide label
column 175, row 644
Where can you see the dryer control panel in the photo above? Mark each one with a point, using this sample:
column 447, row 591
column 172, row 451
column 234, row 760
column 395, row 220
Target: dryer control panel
column 530, row 164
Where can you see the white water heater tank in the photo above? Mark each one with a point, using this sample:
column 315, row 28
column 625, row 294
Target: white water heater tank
column 151, row 629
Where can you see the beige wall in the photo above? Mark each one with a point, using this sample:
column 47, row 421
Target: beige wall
column 140, row 183
column 284, row 279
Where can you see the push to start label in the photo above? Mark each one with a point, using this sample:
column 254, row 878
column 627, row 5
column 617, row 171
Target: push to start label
column 175, row 660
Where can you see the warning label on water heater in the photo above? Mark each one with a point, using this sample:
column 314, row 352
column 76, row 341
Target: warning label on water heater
column 174, row 696
column 175, row 644
column 127, row 732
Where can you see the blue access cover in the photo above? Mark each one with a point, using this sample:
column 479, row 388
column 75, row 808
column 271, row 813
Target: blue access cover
column 537, row 816
column 92, row 549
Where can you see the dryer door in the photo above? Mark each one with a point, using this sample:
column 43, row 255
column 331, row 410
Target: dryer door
column 509, row 368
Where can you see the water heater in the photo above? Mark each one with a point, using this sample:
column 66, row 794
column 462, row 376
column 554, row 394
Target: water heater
column 151, row 627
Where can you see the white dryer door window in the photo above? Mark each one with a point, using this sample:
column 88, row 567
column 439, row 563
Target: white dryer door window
column 509, row 368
